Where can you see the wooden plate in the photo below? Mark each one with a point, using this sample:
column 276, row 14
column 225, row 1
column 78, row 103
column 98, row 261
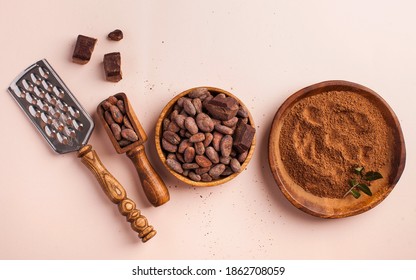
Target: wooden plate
column 324, row 206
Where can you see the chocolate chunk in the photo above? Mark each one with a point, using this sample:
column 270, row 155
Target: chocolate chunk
column 83, row 49
column 115, row 35
column 243, row 136
column 112, row 67
column 222, row 108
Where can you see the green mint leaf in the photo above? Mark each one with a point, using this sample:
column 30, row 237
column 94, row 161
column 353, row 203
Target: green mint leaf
column 358, row 170
column 372, row 175
column 352, row 183
column 365, row 189
column 355, row 193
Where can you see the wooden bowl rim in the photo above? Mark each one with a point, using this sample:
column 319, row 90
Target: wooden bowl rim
column 162, row 157
column 316, row 89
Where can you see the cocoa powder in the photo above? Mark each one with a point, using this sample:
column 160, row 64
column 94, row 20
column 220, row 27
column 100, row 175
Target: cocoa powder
column 323, row 136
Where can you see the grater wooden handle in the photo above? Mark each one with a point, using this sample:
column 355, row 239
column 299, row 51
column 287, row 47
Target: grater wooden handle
column 116, row 193
column 153, row 186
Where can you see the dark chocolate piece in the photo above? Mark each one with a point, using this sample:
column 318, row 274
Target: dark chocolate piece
column 83, row 49
column 243, row 136
column 222, row 108
column 112, row 67
column 116, row 35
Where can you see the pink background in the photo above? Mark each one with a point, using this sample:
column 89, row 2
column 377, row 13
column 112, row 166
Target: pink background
column 51, row 207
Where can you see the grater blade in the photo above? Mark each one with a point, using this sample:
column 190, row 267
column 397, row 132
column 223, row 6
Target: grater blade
column 52, row 108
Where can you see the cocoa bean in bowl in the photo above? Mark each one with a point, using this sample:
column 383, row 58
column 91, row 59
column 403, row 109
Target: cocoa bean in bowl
column 205, row 136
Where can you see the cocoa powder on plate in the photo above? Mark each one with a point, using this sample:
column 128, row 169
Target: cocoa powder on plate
column 324, row 136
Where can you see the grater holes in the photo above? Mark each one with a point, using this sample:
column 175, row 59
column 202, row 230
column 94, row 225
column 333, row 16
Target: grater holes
column 74, row 112
column 62, row 138
column 43, row 72
column 58, row 125
column 47, row 85
column 46, row 118
column 34, row 111
column 58, row 92
column 42, row 105
column 30, row 98
column 35, row 78
column 70, row 132
column 39, row 92
column 51, row 99
column 27, row 85
column 77, row 125
column 49, row 132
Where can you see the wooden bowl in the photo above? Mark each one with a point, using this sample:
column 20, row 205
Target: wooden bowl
column 158, row 136
column 326, row 207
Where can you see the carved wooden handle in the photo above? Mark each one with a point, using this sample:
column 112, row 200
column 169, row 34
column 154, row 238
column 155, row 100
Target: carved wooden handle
column 116, row 193
column 153, row 186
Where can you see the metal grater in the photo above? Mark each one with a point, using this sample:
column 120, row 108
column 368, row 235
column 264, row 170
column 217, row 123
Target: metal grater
column 66, row 126
column 52, row 108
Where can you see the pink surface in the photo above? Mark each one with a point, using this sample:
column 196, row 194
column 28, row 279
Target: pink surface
column 51, row 207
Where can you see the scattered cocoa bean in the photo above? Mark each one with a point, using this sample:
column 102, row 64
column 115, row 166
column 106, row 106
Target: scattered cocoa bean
column 194, row 177
column 172, row 126
column 189, row 154
column 224, row 129
column 165, row 124
column 235, row 165
column 108, row 118
column 168, row 146
column 124, row 142
column 180, row 157
column 212, row 154
column 225, row 160
column 116, row 114
column 231, row 122
column 180, row 121
column 216, row 170
column 183, row 145
column 190, row 125
column 208, row 139
column 199, row 148
column 197, row 104
column 204, row 122
column 120, row 105
column 116, row 129
column 242, row 157
column 129, row 134
column 106, row 105
column 189, row 107
column 171, row 137
column 203, row 161
column 112, row 99
column 175, row 165
column 206, row 178
column 202, row 170
column 115, row 35
column 216, row 140
column 127, row 122
column 198, row 92
column 199, row 137
column 189, row 165
column 226, row 145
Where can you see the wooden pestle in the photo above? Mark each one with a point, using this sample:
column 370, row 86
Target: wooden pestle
column 153, row 186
